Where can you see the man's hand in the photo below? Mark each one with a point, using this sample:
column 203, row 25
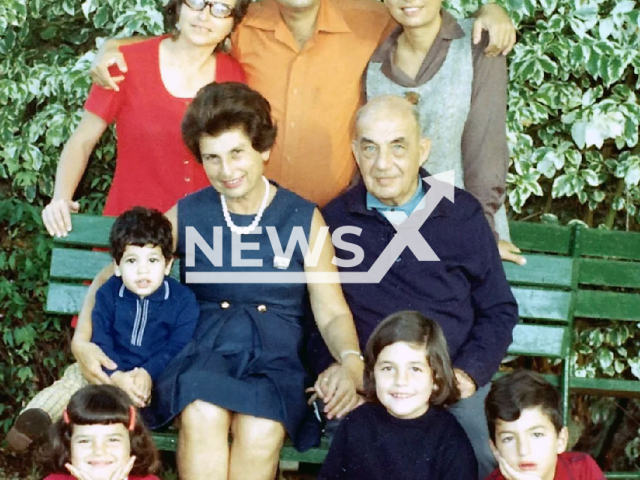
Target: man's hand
column 107, row 55
column 466, row 385
column 143, row 383
column 57, row 216
column 91, row 359
column 507, row 471
column 502, row 33
column 337, row 389
column 126, row 381
column 509, row 252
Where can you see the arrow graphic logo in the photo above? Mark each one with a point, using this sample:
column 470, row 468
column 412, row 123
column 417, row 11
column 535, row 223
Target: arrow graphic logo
column 407, row 235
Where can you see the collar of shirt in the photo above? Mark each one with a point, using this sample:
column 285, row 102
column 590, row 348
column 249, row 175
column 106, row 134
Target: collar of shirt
column 449, row 30
column 356, row 199
column 408, row 207
column 267, row 17
column 162, row 293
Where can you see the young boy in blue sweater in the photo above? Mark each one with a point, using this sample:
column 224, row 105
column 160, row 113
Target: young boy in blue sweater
column 142, row 318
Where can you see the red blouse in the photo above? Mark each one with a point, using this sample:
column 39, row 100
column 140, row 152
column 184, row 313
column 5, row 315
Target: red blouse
column 154, row 167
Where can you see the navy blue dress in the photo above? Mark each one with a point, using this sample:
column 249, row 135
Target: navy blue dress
column 245, row 354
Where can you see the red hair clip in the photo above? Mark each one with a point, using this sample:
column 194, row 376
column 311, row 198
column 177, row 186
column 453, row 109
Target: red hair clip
column 132, row 418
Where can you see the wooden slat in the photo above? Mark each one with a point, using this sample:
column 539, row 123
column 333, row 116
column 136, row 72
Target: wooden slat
column 543, row 270
column 622, row 475
column 552, row 379
column 165, row 441
column 64, row 298
column 539, row 341
column 612, row 273
column 608, row 305
column 553, row 305
column 606, row 386
column 168, row 441
column 604, row 243
column 538, row 237
column 82, row 265
column 313, row 455
column 74, row 264
column 88, row 230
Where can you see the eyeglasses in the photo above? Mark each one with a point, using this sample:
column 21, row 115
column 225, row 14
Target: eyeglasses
column 217, row 9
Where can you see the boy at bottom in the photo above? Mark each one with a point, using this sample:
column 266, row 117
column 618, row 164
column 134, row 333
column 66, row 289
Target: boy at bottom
column 528, row 437
column 141, row 319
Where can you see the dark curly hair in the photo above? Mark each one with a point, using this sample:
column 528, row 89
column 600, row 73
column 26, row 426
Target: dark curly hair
column 220, row 107
column 413, row 327
column 141, row 226
column 172, row 15
column 517, row 390
column 102, row 405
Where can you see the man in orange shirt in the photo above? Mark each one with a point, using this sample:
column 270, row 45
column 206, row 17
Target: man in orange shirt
column 307, row 58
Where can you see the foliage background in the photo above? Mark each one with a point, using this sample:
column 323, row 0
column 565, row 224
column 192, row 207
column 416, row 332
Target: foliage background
column 573, row 133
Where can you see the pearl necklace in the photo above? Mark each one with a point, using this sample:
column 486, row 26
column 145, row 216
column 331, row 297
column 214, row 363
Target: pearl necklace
column 244, row 230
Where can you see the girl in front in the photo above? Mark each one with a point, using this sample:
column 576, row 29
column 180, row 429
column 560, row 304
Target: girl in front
column 100, row 437
column 403, row 430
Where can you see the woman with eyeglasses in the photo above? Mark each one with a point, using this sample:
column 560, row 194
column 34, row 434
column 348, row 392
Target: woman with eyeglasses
column 154, row 168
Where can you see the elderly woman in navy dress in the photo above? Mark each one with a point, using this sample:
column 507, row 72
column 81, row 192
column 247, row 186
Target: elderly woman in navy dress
column 242, row 372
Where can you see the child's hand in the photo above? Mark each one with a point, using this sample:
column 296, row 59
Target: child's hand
column 466, row 385
column 508, row 472
column 143, row 383
column 121, row 473
column 126, row 381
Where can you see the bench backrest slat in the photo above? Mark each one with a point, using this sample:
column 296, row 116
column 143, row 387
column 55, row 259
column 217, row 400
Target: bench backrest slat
column 539, row 341
column 89, row 231
column 543, row 270
column 608, row 305
column 65, row 298
column 538, row 237
column 610, row 273
column 539, row 304
column 609, row 244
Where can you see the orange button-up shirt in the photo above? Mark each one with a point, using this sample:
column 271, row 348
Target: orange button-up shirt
column 314, row 92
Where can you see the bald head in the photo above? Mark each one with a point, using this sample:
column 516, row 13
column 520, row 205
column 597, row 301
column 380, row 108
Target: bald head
column 389, row 148
column 387, row 106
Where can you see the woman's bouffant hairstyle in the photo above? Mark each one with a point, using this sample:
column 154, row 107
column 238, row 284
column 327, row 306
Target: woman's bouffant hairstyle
column 141, row 226
column 172, row 15
column 99, row 405
column 413, row 327
column 220, row 107
column 517, row 390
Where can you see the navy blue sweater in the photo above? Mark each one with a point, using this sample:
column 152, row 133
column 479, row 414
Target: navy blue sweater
column 371, row 444
column 143, row 332
column 466, row 292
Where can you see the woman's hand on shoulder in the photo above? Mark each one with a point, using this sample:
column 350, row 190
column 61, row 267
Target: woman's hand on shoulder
column 108, row 54
column 56, row 216
column 502, row 33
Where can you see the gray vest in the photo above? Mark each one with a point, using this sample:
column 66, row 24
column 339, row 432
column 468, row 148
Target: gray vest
column 444, row 106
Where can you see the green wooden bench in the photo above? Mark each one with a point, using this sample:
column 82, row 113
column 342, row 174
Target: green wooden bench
column 544, row 289
column 605, row 286
column 591, row 275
